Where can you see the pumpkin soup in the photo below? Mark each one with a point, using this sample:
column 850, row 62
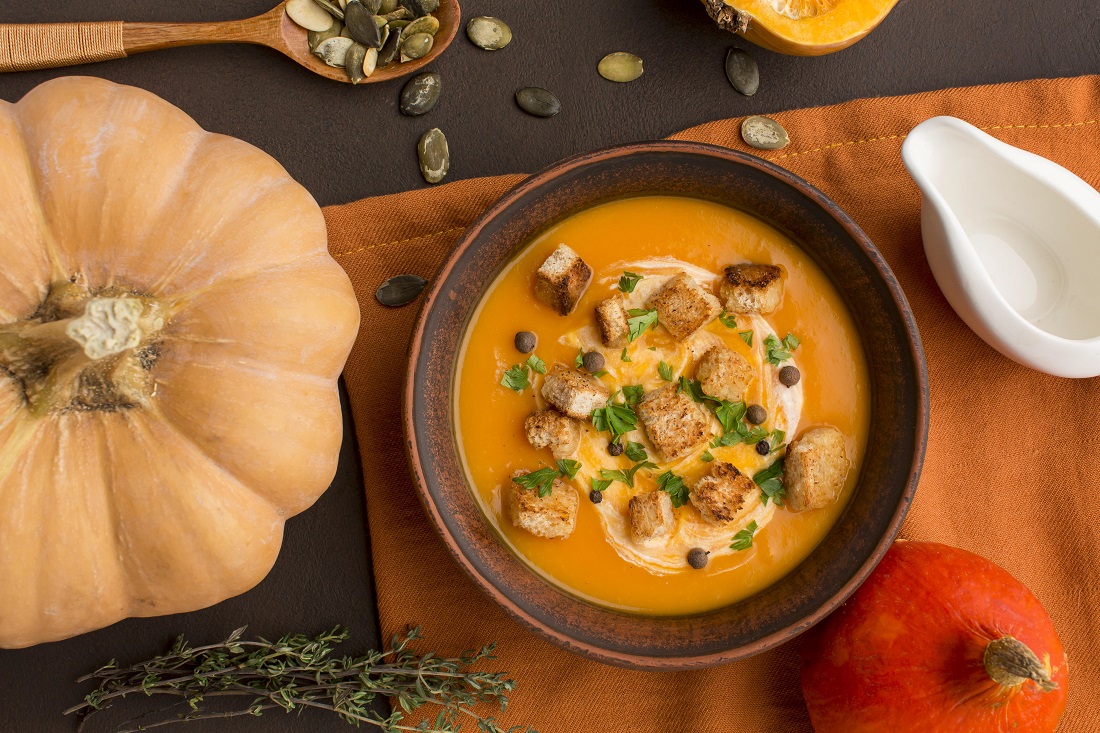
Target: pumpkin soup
column 662, row 405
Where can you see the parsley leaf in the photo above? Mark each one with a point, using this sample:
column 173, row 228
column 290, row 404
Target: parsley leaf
column 728, row 320
column 777, row 351
column 770, row 481
column 791, row 341
column 600, row 484
column 729, row 414
column 778, row 436
column 636, row 451
column 633, row 393
column 568, row 467
column 652, row 348
column 694, row 390
column 628, row 281
column 579, row 361
column 665, row 370
column 541, row 480
column 624, row 356
column 674, row 486
column 627, row 476
column 746, row 336
column 516, row 378
column 615, row 419
column 743, row 539
column 640, row 320
column 536, row 364
column 707, row 456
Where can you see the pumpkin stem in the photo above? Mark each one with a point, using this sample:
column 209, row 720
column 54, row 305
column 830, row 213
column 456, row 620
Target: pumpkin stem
column 1009, row 662
column 727, row 17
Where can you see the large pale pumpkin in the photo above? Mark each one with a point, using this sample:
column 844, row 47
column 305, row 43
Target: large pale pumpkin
column 800, row 27
column 171, row 332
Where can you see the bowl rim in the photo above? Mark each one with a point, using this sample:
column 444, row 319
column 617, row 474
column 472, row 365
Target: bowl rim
column 545, row 631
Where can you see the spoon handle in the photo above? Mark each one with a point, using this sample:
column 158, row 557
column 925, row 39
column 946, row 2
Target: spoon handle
column 47, row 45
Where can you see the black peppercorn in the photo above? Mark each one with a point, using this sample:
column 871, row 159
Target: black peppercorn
column 593, row 361
column 789, row 376
column 756, row 414
column 595, row 496
column 615, row 448
column 697, row 558
column 526, row 342
column 763, row 447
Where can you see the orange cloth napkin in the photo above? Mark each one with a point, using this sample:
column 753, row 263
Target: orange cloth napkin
column 1013, row 465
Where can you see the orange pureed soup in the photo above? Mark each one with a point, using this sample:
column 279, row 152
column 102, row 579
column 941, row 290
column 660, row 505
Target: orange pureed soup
column 638, row 235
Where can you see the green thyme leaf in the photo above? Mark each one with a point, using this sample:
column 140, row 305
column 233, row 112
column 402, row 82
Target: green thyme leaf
column 567, row 468
column 770, row 481
column 600, row 484
column 743, row 539
column 633, row 393
column 636, row 451
column 707, row 457
column 746, row 336
column 624, row 356
column 640, row 320
column 627, row 476
column 728, row 320
column 536, row 364
column 673, row 485
column 541, row 480
column 516, row 378
column 628, row 281
column 665, row 370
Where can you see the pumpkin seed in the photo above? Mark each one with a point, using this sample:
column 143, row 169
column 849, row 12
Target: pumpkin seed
column 315, row 37
column 360, row 24
column 419, row 8
column 399, row 14
column 421, row 94
column 332, row 8
column 389, row 50
column 309, row 15
column 435, row 157
column 742, row 71
column 491, row 34
column 538, row 102
column 400, row 290
column 397, row 25
column 416, row 46
column 387, row 6
column 345, row 32
column 372, row 5
column 353, row 62
column 764, row 133
column 428, row 24
column 620, row 66
column 370, row 61
column 334, row 51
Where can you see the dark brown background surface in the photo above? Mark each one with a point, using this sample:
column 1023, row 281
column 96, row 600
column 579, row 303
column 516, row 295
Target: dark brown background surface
column 345, row 143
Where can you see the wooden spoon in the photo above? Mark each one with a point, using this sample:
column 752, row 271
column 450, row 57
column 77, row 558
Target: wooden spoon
column 48, row 45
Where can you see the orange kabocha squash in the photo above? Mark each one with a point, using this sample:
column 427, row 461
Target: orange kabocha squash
column 171, row 332
column 800, row 27
column 938, row 640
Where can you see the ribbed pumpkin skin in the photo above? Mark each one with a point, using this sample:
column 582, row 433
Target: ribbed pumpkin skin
column 179, row 503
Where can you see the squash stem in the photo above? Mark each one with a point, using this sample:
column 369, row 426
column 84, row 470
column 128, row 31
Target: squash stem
column 1010, row 662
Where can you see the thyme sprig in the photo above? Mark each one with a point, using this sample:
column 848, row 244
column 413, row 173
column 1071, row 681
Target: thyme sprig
column 299, row 672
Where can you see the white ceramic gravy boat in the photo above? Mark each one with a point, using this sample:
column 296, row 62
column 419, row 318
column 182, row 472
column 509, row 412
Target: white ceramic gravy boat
column 1013, row 240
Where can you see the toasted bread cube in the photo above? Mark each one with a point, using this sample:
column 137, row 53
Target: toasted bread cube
column 723, row 373
column 683, row 307
column 611, row 318
column 562, row 279
column 749, row 288
column 573, row 392
column 552, row 516
column 815, row 469
column 673, row 421
column 722, row 493
column 650, row 516
column 551, row 429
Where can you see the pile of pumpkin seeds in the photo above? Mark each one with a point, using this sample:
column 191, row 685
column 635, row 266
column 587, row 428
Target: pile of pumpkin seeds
column 365, row 35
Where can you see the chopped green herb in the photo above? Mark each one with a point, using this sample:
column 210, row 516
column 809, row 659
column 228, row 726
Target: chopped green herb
column 636, row 451
column 729, row 414
column 541, row 480
column 770, row 481
column 694, row 390
column 673, row 485
column 633, row 393
column 614, row 419
column 640, row 321
column 627, row 476
column 778, row 436
column 516, row 378
column 792, row 342
column 579, row 361
column 536, row 364
column 628, row 281
column 776, row 351
column 624, row 356
column 652, row 348
column 665, row 370
column 746, row 336
column 600, row 484
column 743, row 539
column 728, row 320
column 601, row 373
column 707, row 457
column 568, row 467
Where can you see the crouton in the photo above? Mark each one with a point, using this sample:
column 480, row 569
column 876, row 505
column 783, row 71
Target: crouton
column 815, row 469
column 573, row 392
column 551, row 429
column 723, row 373
column 611, row 317
column 673, row 421
column 683, row 307
column 749, row 288
column 552, row 516
column 562, row 279
column 721, row 494
column 650, row 516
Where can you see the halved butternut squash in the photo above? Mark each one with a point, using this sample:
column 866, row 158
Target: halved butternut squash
column 800, row 27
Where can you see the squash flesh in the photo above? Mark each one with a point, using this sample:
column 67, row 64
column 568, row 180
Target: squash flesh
column 829, row 30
